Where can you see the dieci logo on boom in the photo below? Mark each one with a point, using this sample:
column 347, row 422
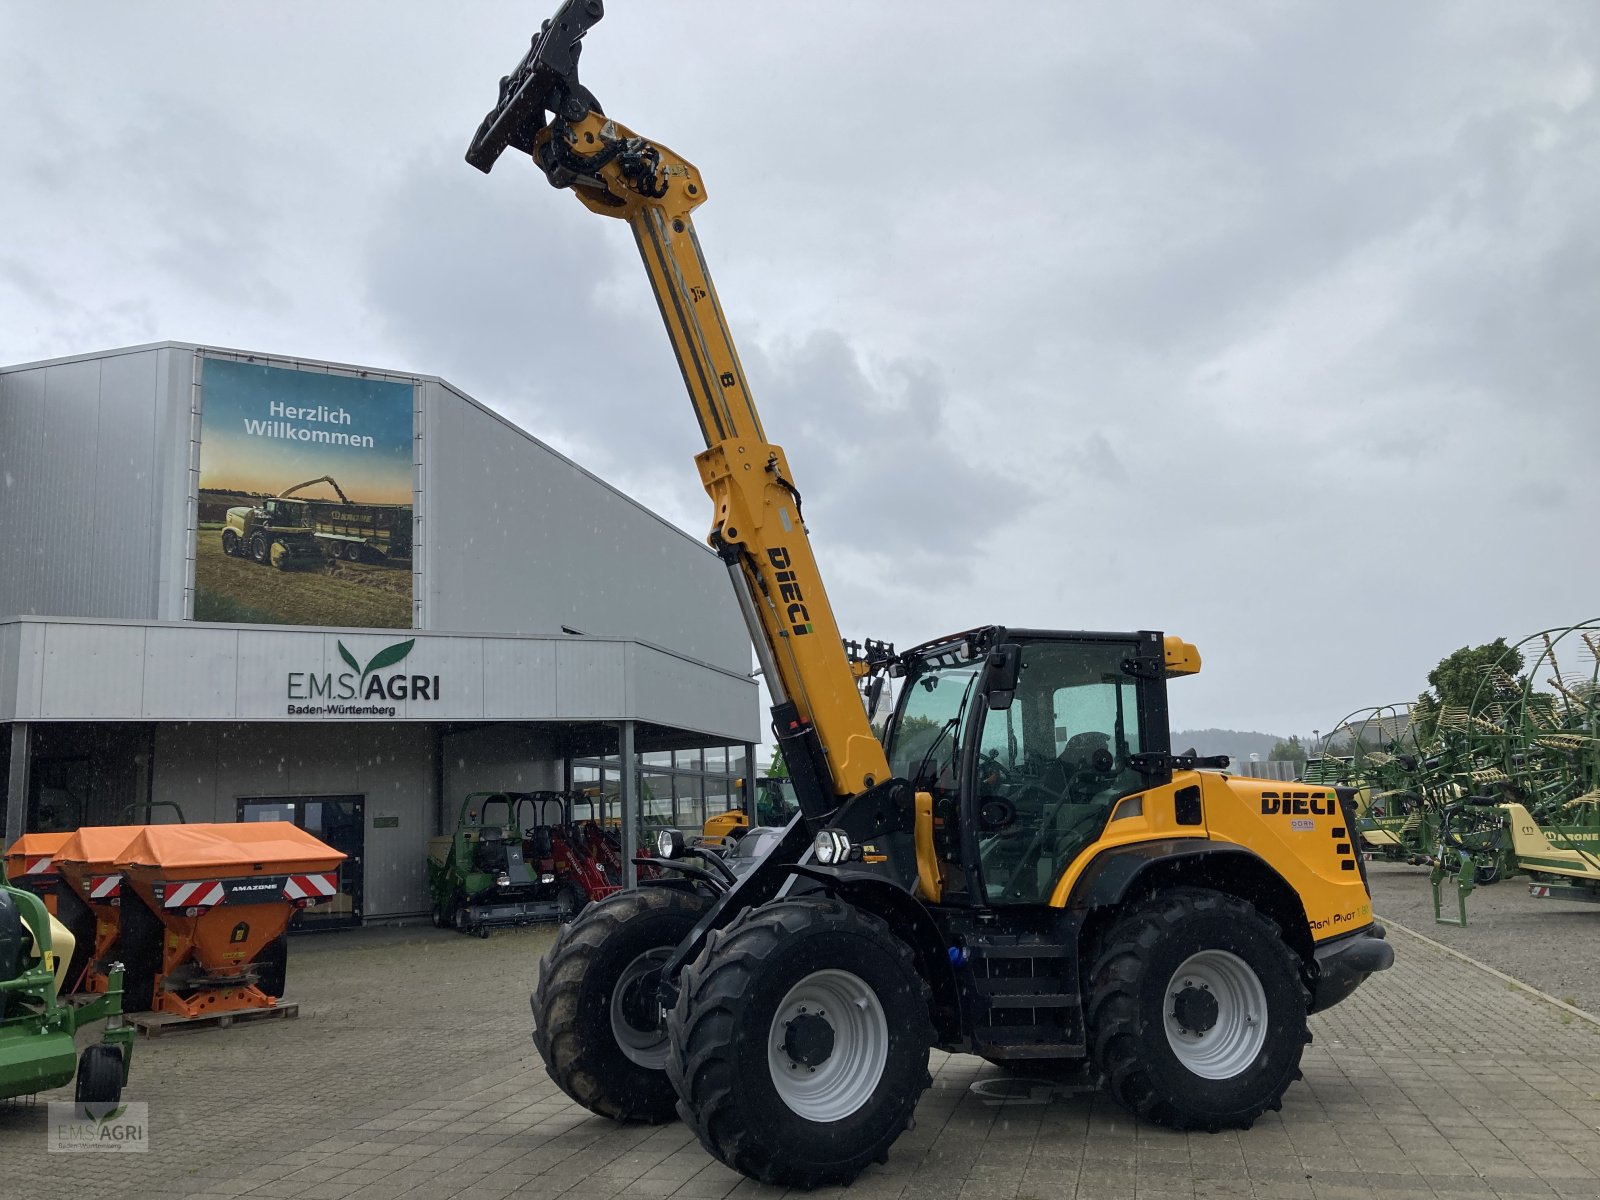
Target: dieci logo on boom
column 365, row 683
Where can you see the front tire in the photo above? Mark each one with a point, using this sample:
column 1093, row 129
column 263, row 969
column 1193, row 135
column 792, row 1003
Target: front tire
column 1197, row 1013
column 800, row 1042
column 596, row 1018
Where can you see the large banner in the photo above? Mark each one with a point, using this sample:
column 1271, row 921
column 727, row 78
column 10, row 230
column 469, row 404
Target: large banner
column 305, row 498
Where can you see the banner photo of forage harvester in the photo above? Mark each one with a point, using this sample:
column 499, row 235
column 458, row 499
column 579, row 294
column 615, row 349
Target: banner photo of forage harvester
column 305, row 498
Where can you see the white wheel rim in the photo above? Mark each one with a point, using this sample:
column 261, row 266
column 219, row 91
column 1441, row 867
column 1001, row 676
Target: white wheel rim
column 842, row 1082
column 1234, row 1040
column 646, row 1047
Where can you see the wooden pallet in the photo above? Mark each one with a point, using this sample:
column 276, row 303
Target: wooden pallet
column 153, row 1024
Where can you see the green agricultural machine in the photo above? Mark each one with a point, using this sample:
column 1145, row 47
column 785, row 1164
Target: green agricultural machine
column 1508, row 785
column 37, row 1031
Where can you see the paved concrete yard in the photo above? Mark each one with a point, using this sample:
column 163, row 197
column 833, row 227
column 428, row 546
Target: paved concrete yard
column 410, row 1075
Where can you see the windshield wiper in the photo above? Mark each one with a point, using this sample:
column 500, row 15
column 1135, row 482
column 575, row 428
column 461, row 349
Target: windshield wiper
column 954, row 721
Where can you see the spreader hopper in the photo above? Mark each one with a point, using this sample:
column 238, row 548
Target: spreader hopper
column 206, row 909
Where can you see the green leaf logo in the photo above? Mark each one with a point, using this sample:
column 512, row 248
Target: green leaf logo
column 386, row 657
column 389, row 656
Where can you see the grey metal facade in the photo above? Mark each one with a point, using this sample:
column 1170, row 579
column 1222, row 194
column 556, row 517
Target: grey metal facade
column 553, row 618
column 94, row 480
column 99, row 459
column 537, row 543
column 86, row 670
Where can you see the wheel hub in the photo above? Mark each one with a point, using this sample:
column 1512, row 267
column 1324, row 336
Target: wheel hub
column 1216, row 1014
column 808, row 1039
column 1195, row 1009
column 828, row 1045
column 640, row 1008
column 636, row 1010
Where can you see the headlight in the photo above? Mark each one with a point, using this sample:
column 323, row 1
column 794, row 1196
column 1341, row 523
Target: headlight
column 670, row 843
column 830, row 847
column 547, row 877
column 502, row 880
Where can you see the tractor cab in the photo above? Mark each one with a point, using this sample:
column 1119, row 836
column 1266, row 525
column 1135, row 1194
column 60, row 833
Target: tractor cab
column 1027, row 741
column 283, row 514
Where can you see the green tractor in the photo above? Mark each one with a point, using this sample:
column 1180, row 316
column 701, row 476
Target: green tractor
column 37, row 1048
column 497, row 869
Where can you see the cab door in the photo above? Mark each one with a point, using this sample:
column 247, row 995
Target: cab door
column 1047, row 768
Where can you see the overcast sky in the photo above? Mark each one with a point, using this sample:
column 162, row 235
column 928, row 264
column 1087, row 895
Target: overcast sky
column 1276, row 326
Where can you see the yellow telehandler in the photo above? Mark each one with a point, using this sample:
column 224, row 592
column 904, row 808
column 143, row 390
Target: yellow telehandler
column 1022, row 869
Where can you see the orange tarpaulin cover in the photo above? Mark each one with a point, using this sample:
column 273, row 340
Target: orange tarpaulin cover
column 36, row 845
column 274, row 846
column 97, row 845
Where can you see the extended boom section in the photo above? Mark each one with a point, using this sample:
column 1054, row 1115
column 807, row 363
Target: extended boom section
column 757, row 525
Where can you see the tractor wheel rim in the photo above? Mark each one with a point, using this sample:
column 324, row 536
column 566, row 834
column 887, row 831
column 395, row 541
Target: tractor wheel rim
column 644, row 1045
column 828, row 1046
column 1214, row 1011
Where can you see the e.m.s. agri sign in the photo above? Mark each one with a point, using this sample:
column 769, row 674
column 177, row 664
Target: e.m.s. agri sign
column 362, row 691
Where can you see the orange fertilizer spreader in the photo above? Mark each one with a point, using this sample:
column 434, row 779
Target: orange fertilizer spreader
column 205, row 909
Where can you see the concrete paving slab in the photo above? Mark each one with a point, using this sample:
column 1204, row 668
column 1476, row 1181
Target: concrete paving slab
column 410, row 1076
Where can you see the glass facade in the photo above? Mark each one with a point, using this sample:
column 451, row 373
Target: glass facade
column 677, row 788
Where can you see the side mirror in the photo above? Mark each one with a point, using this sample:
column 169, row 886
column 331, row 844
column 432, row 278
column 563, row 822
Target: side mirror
column 1005, row 665
column 874, row 694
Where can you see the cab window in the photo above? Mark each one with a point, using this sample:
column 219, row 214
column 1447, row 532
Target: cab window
column 1051, row 765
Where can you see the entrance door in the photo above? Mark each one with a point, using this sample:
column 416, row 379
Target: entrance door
column 336, row 820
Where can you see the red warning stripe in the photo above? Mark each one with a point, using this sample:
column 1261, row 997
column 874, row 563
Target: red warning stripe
column 40, row 866
column 105, row 887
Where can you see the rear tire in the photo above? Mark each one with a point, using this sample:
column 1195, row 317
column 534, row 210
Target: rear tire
column 800, row 1042
column 260, row 549
column 594, row 1009
column 99, row 1075
column 230, row 543
column 1197, row 1012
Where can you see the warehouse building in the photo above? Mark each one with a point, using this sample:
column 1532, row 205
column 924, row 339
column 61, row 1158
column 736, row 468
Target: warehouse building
column 239, row 587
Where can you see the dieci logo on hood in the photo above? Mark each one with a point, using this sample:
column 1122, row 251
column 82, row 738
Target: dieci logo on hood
column 365, row 683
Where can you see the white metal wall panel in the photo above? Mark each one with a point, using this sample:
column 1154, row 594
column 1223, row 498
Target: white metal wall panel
column 173, row 431
column 65, row 489
column 189, row 671
column 92, row 672
column 84, row 474
column 520, row 676
column 591, row 680
column 667, row 690
column 523, row 541
column 10, row 662
column 263, row 660
column 23, row 492
column 127, row 469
